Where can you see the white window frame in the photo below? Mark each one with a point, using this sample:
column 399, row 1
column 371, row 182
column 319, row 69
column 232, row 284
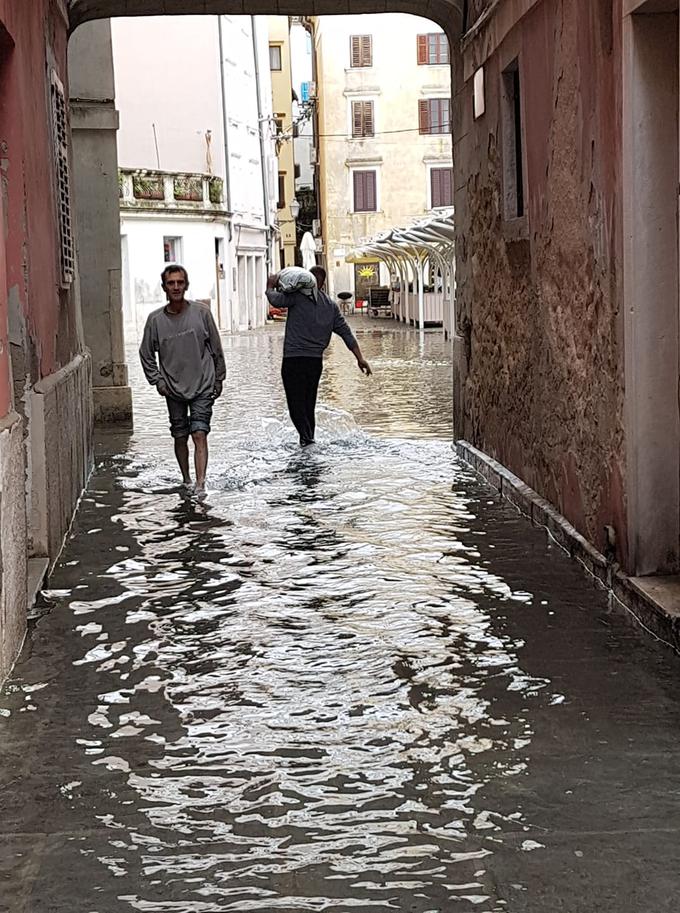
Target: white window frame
column 178, row 242
column 278, row 46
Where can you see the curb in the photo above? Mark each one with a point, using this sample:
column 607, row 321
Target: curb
column 650, row 614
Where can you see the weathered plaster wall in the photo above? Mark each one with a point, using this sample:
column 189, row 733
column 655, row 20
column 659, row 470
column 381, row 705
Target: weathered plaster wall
column 43, row 325
column 40, row 334
column 539, row 311
column 13, row 558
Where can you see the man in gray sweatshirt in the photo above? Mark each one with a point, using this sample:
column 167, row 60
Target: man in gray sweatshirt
column 312, row 319
column 182, row 357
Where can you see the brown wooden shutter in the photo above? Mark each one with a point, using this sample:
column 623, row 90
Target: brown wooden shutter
column 436, row 187
column 368, row 125
column 366, row 51
column 356, row 118
column 422, row 49
column 370, row 191
column 358, row 192
column 441, row 183
column 355, row 51
column 365, row 196
column 424, row 115
column 447, row 187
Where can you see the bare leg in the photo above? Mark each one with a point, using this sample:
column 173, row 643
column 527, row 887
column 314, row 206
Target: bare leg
column 200, row 439
column 182, row 454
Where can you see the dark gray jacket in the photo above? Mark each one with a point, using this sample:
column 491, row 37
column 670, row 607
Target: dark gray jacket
column 184, row 350
column 310, row 323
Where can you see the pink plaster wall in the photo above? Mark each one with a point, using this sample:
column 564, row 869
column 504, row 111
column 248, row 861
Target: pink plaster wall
column 41, row 315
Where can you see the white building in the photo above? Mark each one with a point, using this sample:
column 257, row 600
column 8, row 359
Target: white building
column 197, row 161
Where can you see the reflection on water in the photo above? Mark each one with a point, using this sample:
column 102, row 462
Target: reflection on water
column 350, row 680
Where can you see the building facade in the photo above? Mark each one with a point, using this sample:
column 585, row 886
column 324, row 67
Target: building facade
column 282, row 103
column 198, row 163
column 384, row 134
column 566, row 362
column 45, row 370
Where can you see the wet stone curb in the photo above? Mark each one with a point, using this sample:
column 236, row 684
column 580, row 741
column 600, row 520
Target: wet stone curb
column 650, row 614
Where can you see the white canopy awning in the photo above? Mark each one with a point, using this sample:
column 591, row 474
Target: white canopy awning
column 406, row 251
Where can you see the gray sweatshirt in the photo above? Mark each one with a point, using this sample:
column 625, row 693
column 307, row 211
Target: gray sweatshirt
column 310, row 322
column 184, row 350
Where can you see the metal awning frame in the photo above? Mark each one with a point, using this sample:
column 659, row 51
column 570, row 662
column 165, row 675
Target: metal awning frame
column 408, row 251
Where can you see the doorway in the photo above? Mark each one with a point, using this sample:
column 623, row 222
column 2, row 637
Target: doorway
column 651, row 300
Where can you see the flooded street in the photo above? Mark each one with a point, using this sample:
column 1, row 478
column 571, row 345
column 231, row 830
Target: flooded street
column 351, row 680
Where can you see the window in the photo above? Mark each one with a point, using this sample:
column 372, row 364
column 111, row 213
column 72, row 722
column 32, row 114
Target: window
column 513, row 174
column 278, row 123
column 365, row 198
column 434, row 115
column 441, row 187
column 282, row 190
column 172, row 250
column 274, row 56
column 63, row 189
column 362, row 118
column 361, row 51
column 433, row 49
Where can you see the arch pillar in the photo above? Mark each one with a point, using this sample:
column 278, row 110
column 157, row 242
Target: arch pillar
column 94, row 122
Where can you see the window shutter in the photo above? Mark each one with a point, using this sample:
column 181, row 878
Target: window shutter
column 370, row 191
column 60, row 136
column 446, row 115
column 422, row 49
column 424, row 115
column 369, row 129
column 435, row 184
column 358, row 192
column 441, row 183
column 366, row 51
column 447, row 187
column 355, row 51
column 356, row 118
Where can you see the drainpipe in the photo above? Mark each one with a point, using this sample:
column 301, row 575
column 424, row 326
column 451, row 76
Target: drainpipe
column 225, row 121
column 260, row 122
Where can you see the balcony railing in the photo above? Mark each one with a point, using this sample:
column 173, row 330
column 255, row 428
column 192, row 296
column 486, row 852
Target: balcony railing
column 140, row 189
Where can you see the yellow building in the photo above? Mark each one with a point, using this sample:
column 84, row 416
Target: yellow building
column 282, row 96
column 384, row 144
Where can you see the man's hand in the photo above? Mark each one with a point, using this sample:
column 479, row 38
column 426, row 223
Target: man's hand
column 162, row 388
column 217, row 389
column 364, row 366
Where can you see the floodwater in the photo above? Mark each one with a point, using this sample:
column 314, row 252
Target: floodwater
column 351, row 680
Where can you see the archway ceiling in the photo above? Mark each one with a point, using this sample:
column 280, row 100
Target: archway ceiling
column 447, row 13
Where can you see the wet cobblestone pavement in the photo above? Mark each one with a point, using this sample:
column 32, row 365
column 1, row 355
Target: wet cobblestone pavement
column 351, row 680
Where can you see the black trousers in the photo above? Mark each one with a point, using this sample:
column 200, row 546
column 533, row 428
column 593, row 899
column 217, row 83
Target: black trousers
column 301, row 381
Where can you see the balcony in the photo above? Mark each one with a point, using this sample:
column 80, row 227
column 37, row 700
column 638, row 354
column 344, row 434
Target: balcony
column 141, row 190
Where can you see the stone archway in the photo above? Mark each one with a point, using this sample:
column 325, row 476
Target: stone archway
column 94, row 141
column 446, row 13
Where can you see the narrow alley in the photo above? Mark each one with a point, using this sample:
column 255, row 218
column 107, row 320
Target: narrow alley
column 353, row 679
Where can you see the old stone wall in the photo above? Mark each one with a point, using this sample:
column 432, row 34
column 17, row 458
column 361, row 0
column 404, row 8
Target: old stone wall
column 13, row 557
column 538, row 300
column 60, row 453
